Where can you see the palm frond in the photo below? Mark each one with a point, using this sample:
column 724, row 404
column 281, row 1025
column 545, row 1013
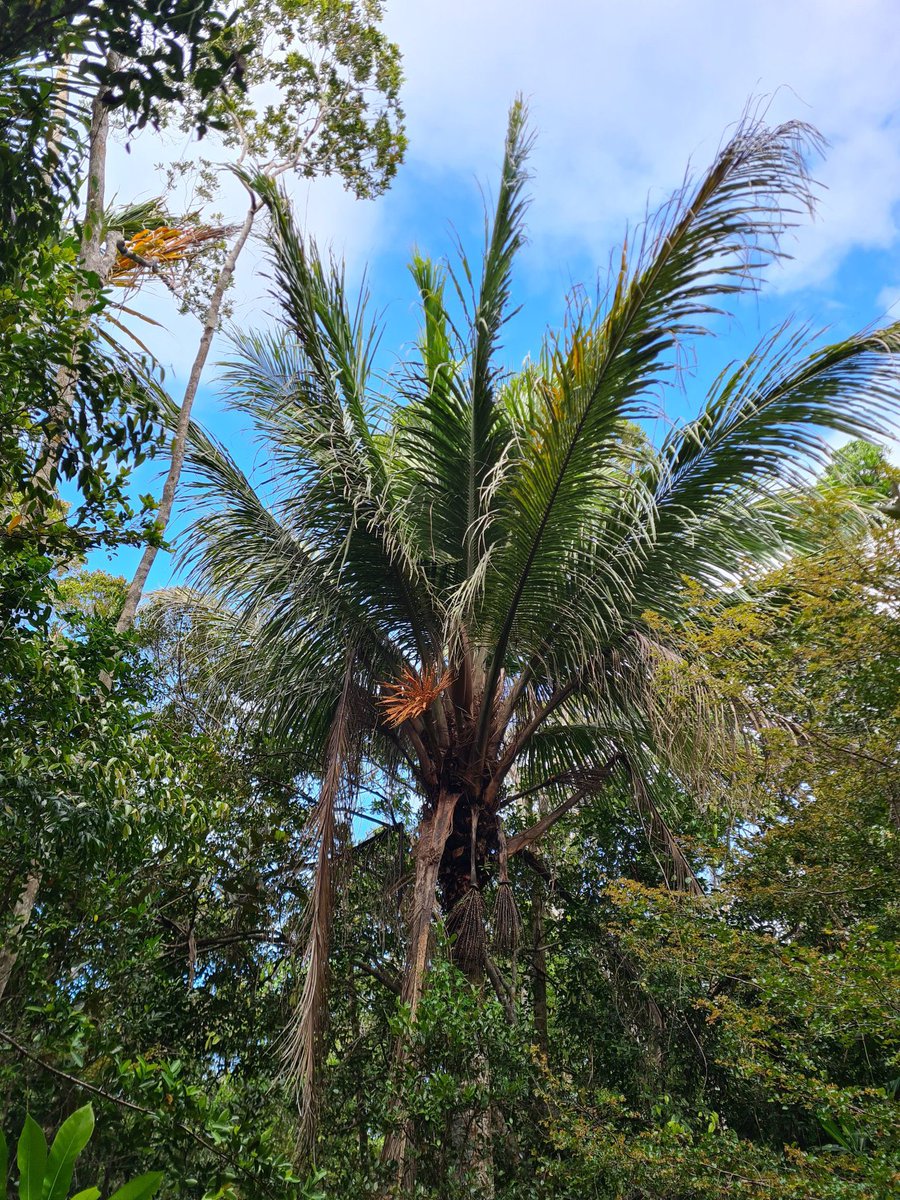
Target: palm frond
column 334, row 352
column 708, row 243
column 304, row 1035
column 503, row 243
column 239, row 551
column 726, row 487
column 450, row 438
column 337, row 343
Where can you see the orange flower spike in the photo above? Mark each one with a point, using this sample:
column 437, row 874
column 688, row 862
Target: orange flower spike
column 411, row 695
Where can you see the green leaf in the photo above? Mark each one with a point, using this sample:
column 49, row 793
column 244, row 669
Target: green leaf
column 91, row 1193
column 31, row 1157
column 140, row 1188
column 72, row 1137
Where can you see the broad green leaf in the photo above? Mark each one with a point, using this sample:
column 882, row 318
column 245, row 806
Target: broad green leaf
column 31, row 1157
column 91, row 1193
column 72, row 1137
column 140, row 1188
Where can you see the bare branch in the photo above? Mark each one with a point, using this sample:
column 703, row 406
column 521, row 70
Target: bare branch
column 537, row 831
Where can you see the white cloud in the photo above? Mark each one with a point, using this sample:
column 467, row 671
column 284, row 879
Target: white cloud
column 623, row 95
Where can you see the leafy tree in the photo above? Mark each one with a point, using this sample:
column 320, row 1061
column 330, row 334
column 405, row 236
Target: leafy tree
column 776, row 1072
column 49, row 1173
column 322, row 98
column 156, row 46
column 453, row 585
column 76, row 408
column 161, row 961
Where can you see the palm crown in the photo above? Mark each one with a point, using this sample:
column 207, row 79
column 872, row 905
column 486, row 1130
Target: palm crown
column 452, row 579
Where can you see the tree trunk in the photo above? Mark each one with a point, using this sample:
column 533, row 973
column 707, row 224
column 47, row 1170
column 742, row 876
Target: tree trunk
column 9, row 952
column 179, row 441
column 433, row 831
column 472, row 1136
column 539, row 967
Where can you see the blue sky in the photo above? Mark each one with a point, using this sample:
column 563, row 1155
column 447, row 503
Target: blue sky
column 622, row 98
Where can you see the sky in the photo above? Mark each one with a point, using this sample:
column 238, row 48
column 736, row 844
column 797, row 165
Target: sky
column 623, row 97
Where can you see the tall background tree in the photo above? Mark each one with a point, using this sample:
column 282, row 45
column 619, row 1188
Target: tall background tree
column 90, row 786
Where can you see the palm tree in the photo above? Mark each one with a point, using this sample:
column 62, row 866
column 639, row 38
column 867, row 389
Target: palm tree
column 450, row 576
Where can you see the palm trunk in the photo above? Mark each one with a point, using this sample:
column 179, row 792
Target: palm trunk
column 470, row 1134
column 9, row 952
column 433, row 831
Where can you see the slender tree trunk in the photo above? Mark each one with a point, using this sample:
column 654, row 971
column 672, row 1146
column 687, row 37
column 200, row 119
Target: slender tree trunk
column 9, row 952
column 539, row 967
column 179, row 441
column 67, row 379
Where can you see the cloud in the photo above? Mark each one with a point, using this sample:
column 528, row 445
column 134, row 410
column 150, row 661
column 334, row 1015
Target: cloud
column 623, row 95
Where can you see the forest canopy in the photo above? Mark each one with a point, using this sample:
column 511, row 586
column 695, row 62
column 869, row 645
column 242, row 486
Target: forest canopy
column 501, row 801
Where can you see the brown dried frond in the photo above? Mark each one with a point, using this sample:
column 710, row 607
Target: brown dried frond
column 301, row 1052
column 412, row 694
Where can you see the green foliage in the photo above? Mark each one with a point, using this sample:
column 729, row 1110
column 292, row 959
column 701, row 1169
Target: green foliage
column 322, row 92
column 159, row 42
column 44, row 1176
column 861, row 466
column 600, row 594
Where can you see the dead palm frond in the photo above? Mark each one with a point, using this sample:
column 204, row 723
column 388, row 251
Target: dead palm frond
column 465, row 925
column 156, row 250
column 303, row 1037
column 506, row 918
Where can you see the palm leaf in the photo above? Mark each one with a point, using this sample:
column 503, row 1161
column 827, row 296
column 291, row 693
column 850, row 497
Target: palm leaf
column 725, row 487
column 710, row 242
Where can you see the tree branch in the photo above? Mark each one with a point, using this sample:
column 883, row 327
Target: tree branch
column 537, row 831
column 147, row 263
column 383, row 977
